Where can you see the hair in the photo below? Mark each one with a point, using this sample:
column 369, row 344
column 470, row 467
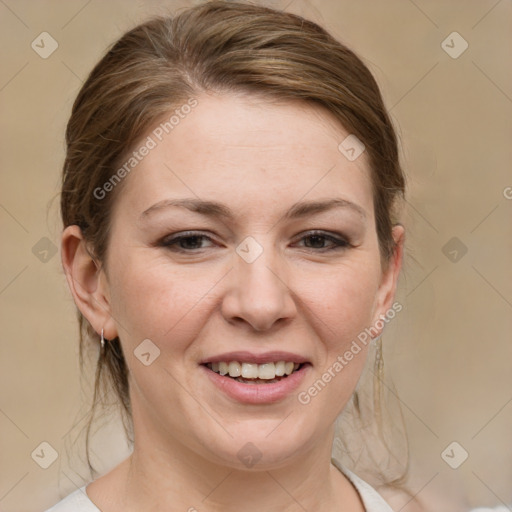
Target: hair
column 219, row 47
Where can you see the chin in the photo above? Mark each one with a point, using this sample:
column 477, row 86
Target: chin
column 257, row 449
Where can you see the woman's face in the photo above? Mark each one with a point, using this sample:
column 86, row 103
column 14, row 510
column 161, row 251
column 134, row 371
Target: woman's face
column 278, row 261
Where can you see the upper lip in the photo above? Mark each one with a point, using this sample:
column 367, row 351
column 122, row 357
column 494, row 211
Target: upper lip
column 250, row 357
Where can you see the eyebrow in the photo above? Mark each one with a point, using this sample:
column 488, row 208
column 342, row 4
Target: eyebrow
column 218, row 210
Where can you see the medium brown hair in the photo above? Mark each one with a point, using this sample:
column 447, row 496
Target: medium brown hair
column 225, row 47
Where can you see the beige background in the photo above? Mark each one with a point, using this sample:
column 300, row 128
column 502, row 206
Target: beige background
column 449, row 351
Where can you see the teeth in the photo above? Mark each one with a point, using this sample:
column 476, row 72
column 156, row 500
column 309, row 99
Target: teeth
column 235, row 370
column 250, row 371
column 280, row 366
column 265, row 371
column 223, row 368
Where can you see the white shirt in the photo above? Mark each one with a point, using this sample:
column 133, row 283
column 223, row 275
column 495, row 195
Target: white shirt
column 501, row 508
column 78, row 501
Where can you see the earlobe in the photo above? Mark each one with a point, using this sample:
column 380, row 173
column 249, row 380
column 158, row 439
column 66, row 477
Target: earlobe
column 84, row 277
column 389, row 281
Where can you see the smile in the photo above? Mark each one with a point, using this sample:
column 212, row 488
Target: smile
column 252, row 373
column 275, row 381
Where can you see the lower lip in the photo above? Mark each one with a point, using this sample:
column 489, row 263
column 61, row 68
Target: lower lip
column 257, row 393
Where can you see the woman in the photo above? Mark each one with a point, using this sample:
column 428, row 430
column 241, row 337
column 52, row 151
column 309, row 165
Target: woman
column 231, row 242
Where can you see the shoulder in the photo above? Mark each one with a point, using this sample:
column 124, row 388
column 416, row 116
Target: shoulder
column 77, row 501
column 485, row 509
column 372, row 500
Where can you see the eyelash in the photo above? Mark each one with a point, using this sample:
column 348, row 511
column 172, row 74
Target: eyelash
column 172, row 243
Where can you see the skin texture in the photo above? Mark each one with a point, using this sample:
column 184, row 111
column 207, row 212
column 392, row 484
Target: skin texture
column 258, row 158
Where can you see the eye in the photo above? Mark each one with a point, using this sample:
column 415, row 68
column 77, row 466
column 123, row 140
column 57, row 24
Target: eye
column 317, row 239
column 190, row 242
column 186, row 242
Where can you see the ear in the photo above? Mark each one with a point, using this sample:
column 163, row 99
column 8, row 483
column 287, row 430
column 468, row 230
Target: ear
column 387, row 288
column 87, row 282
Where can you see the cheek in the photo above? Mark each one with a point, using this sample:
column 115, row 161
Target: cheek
column 341, row 308
column 152, row 299
column 343, row 301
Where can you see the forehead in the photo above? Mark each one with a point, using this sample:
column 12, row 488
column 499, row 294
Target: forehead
column 248, row 151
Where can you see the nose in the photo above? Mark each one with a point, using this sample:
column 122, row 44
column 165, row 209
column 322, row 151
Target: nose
column 258, row 293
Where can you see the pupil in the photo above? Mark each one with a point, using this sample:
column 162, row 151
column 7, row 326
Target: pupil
column 317, row 238
column 185, row 241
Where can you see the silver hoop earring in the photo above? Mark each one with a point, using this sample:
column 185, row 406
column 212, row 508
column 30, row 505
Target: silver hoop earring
column 102, row 341
column 374, row 340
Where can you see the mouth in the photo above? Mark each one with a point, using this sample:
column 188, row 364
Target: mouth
column 256, row 378
column 254, row 373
